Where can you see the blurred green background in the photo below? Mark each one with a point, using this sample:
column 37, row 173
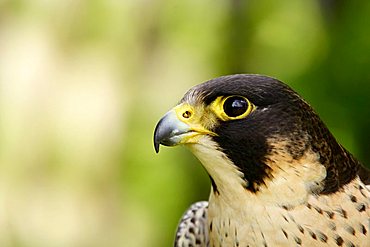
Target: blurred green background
column 83, row 83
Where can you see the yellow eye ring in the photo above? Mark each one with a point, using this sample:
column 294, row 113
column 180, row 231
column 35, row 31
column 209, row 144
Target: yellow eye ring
column 232, row 107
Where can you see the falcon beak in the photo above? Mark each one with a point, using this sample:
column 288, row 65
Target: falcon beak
column 181, row 125
column 170, row 131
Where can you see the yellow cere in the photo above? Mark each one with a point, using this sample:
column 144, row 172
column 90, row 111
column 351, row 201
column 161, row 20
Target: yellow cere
column 197, row 118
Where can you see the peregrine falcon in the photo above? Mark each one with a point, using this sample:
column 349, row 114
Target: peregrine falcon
column 278, row 176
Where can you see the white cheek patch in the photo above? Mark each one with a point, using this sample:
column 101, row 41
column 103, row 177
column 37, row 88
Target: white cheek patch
column 226, row 175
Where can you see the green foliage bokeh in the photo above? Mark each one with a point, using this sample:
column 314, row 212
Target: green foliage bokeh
column 83, row 83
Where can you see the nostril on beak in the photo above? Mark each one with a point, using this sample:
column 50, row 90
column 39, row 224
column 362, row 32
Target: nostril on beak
column 187, row 114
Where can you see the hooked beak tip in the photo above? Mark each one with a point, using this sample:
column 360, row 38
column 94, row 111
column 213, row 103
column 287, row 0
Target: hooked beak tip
column 156, row 140
column 156, row 147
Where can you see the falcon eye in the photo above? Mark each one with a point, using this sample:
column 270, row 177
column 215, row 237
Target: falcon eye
column 231, row 107
column 235, row 106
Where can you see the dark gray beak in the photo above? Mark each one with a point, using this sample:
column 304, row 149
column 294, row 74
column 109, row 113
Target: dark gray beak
column 169, row 131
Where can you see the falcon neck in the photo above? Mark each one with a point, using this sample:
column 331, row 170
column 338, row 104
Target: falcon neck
column 227, row 180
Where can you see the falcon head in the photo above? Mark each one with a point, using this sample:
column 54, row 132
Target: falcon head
column 253, row 133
